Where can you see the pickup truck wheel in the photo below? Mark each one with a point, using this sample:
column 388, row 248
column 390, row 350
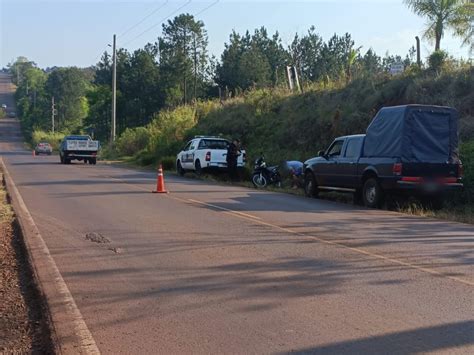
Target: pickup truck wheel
column 61, row 159
column 93, row 161
column 197, row 167
column 179, row 169
column 372, row 193
column 310, row 185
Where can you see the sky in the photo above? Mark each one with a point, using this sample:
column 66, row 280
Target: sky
column 77, row 32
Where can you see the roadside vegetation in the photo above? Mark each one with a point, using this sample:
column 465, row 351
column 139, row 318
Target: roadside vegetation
column 169, row 92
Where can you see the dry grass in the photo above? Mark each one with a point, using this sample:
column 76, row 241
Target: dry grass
column 6, row 212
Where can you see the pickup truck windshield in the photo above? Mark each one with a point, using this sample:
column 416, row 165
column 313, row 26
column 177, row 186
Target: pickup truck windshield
column 335, row 149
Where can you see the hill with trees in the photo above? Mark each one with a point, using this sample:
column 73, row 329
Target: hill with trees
column 172, row 89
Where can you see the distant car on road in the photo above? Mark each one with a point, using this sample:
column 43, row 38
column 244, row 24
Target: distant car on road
column 43, row 148
column 4, row 106
column 411, row 150
column 12, row 114
column 82, row 148
column 204, row 152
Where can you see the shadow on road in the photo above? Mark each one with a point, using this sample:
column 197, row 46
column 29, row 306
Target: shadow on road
column 428, row 339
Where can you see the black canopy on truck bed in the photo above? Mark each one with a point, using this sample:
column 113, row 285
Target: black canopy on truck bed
column 414, row 133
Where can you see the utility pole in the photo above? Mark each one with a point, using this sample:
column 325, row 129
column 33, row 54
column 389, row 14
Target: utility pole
column 114, row 90
column 53, row 113
column 418, row 54
column 185, row 60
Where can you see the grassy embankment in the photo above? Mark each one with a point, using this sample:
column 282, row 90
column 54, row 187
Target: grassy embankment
column 285, row 125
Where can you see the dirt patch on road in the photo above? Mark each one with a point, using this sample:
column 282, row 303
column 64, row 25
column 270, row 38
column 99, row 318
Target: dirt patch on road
column 24, row 326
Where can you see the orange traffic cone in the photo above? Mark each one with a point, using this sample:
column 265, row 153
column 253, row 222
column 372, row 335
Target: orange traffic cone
column 160, row 182
column 34, row 153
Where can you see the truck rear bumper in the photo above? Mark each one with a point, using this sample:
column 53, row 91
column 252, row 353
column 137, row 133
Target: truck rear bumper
column 427, row 187
column 82, row 155
column 212, row 165
column 421, row 186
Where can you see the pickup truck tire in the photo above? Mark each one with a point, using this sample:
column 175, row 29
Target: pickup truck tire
column 198, row 168
column 61, row 159
column 310, row 185
column 93, row 161
column 179, row 169
column 372, row 193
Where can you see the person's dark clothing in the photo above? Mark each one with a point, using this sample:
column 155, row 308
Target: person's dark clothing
column 233, row 153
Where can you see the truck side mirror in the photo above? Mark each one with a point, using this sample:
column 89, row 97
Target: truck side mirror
column 321, row 153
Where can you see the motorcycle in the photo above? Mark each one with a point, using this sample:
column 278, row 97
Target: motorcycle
column 263, row 176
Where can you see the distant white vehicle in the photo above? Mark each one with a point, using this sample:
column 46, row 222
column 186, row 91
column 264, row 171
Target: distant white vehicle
column 205, row 153
column 4, row 106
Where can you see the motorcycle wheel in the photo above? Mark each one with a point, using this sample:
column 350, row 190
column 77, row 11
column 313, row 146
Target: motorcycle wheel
column 259, row 180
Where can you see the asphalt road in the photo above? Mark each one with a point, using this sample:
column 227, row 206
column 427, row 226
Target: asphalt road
column 221, row 269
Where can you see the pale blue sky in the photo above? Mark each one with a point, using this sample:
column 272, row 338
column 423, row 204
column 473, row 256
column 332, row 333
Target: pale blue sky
column 75, row 32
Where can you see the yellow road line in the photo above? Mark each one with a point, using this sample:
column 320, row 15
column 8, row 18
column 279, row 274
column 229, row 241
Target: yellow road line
column 224, row 209
column 258, row 220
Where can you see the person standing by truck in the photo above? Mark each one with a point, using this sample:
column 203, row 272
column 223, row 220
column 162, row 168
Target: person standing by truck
column 233, row 152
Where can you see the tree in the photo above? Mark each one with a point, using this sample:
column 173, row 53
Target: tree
column 252, row 61
column 69, row 87
column 183, row 55
column 18, row 67
column 455, row 15
column 305, row 53
column 99, row 116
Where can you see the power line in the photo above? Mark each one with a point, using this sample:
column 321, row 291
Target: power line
column 145, row 18
column 207, row 8
column 158, row 23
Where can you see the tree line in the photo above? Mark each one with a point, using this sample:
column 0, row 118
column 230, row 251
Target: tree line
column 177, row 69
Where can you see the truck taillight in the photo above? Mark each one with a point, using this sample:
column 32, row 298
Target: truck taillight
column 397, row 169
column 460, row 171
column 208, row 156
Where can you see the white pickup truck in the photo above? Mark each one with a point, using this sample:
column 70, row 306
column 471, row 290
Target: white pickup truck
column 81, row 148
column 204, row 152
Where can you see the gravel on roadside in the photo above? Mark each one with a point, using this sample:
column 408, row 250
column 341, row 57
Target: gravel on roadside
column 24, row 325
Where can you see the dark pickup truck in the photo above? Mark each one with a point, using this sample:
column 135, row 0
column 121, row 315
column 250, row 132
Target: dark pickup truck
column 409, row 149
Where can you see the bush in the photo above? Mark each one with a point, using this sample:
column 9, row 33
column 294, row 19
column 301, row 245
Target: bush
column 132, row 141
column 467, row 158
column 52, row 138
column 145, row 158
column 168, row 163
column 437, row 59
